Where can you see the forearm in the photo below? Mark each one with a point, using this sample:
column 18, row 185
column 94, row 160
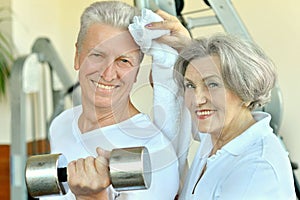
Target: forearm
column 103, row 195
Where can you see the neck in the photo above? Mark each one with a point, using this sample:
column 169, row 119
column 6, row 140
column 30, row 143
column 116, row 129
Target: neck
column 235, row 129
column 93, row 117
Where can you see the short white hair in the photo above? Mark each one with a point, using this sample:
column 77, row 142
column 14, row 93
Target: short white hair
column 245, row 68
column 115, row 13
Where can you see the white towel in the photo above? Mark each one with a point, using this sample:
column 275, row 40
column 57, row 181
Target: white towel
column 169, row 113
column 162, row 53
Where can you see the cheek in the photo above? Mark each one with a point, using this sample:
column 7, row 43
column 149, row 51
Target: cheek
column 87, row 67
column 218, row 99
column 189, row 99
column 233, row 108
column 128, row 75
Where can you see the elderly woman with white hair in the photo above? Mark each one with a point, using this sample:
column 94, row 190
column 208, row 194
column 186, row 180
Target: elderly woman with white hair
column 223, row 79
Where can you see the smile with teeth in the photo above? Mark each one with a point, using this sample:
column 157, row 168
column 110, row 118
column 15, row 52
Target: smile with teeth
column 204, row 112
column 106, row 87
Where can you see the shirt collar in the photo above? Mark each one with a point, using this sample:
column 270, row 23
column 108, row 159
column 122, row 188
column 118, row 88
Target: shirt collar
column 258, row 130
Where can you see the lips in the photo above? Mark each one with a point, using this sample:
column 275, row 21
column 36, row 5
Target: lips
column 204, row 114
column 104, row 86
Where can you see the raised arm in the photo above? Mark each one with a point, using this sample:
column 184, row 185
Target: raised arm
column 162, row 36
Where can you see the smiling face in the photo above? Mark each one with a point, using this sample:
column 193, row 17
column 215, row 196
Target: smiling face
column 108, row 63
column 213, row 107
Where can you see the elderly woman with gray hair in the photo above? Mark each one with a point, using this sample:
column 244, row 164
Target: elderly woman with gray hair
column 223, row 79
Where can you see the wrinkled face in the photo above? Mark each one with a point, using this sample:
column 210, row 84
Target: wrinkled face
column 108, row 64
column 213, row 107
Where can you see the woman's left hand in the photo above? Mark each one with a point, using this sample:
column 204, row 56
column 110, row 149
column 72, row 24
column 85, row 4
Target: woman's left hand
column 179, row 36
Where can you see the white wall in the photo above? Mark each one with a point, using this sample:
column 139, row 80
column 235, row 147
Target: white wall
column 271, row 23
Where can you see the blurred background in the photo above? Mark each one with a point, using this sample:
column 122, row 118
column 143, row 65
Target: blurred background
column 271, row 23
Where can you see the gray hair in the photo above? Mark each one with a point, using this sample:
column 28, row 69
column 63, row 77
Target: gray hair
column 115, row 13
column 245, row 68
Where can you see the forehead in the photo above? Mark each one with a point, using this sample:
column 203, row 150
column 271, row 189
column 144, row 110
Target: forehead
column 203, row 67
column 108, row 38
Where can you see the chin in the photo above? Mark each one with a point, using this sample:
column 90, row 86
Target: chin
column 203, row 130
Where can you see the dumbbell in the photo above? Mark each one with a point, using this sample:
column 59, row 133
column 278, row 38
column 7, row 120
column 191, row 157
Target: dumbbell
column 130, row 169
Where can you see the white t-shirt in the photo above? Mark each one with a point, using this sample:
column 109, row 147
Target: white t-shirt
column 253, row 166
column 66, row 138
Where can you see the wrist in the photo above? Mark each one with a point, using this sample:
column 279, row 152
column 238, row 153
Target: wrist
column 103, row 195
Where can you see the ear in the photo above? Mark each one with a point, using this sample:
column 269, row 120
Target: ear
column 247, row 104
column 76, row 58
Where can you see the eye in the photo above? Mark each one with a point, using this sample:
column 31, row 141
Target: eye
column 95, row 53
column 212, row 85
column 124, row 60
column 95, row 57
column 124, row 63
column 189, row 85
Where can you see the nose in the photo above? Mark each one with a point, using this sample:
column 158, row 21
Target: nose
column 201, row 96
column 110, row 73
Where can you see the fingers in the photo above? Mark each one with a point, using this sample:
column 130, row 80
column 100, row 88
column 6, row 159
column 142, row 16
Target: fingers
column 89, row 175
column 81, row 168
column 179, row 36
column 102, row 162
column 165, row 15
column 88, row 165
column 171, row 23
column 71, row 169
column 167, row 23
column 102, row 152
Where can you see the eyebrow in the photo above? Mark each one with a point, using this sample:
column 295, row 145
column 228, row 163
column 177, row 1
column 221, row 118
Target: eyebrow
column 125, row 56
column 96, row 50
column 205, row 78
column 133, row 58
column 100, row 51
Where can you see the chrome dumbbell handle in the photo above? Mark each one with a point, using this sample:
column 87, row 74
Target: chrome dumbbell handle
column 62, row 174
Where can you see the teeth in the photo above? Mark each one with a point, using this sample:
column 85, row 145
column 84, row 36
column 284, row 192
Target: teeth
column 204, row 112
column 104, row 86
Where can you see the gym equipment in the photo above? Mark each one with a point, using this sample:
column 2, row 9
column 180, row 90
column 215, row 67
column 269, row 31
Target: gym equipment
column 130, row 169
column 39, row 86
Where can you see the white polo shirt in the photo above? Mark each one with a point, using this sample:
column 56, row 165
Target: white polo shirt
column 252, row 166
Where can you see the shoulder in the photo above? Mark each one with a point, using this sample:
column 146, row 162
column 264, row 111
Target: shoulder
column 141, row 126
column 263, row 167
column 256, row 176
column 265, row 158
column 64, row 120
column 67, row 115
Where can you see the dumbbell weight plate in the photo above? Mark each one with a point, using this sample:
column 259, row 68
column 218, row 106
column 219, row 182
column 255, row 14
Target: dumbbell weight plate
column 130, row 169
column 41, row 175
